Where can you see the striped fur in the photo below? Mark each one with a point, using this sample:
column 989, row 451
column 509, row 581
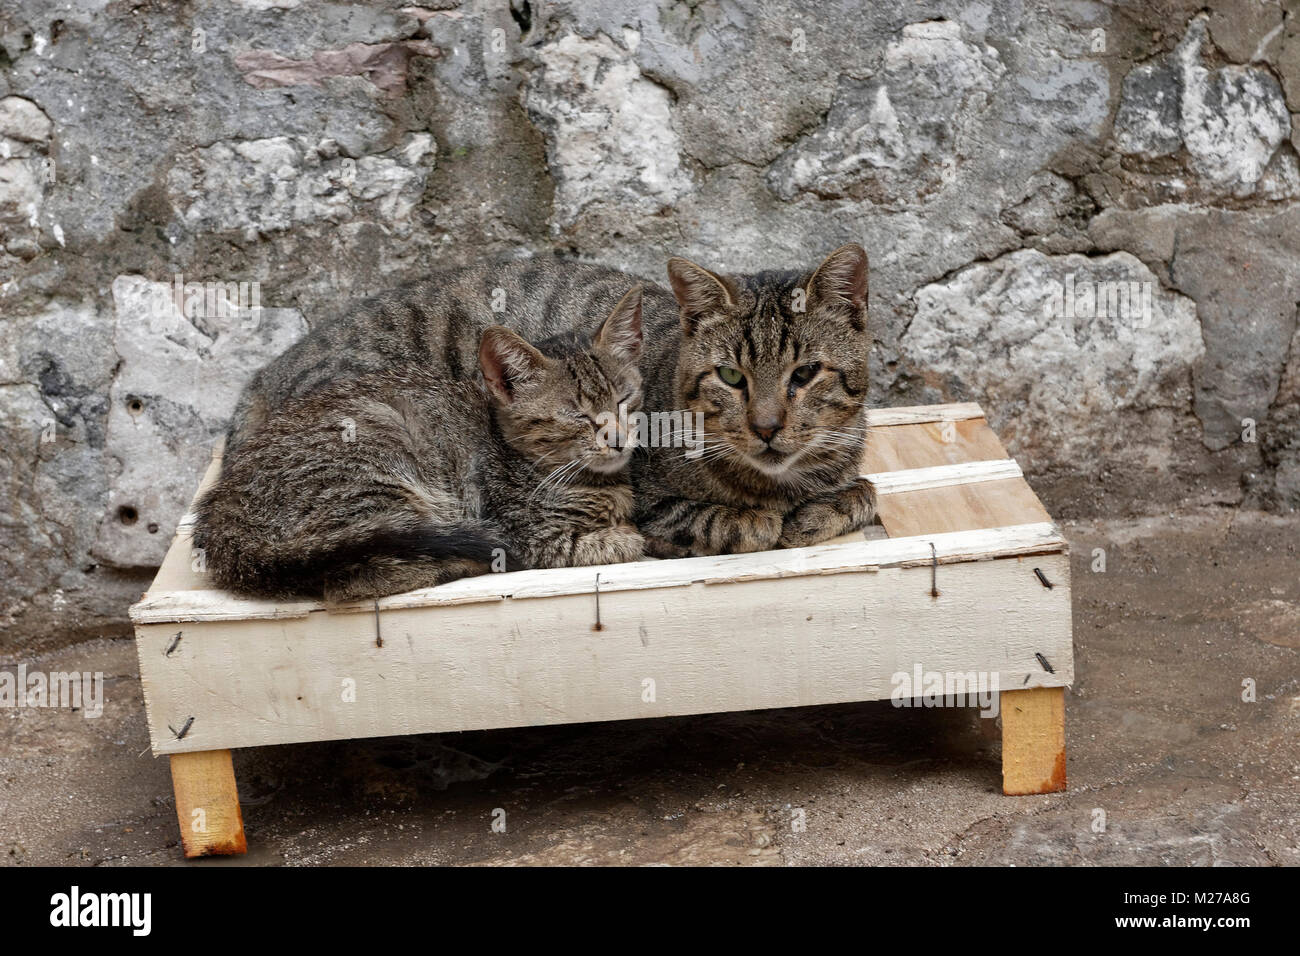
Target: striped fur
column 436, row 324
column 745, row 492
column 733, row 496
column 402, row 478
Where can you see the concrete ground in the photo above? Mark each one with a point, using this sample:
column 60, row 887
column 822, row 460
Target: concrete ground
column 1160, row 742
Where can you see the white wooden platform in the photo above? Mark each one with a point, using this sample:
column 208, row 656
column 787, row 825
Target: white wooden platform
column 955, row 580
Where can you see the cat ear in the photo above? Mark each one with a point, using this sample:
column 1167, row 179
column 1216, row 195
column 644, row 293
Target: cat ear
column 840, row 284
column 698, row 291
column 620, row 333
column 507, row 362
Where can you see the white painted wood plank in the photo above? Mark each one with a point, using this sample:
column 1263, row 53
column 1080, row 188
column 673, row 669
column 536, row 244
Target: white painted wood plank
column 734, row 645
column 941, row 476
column 638, row 575
column 921, row 414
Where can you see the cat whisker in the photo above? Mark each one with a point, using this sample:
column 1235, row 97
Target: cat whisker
column 562, row 476
column 713, row 452
column 556, row 477
column 570, row 476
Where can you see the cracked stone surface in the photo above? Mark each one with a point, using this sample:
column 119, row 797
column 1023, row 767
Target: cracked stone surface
column 898, row 136
column 272, row 184
column 1049, row 343
column 1163, row 752
column 328, row 152
column 26, row 172
column 178, row 375
column 609, row 132
column 1281, row 441
column 1231, row 121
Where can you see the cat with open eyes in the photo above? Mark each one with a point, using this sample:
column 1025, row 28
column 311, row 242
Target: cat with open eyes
column 405, row 478
column 775, row 362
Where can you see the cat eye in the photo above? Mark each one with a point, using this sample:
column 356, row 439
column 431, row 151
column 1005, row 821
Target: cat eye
column 804, row 374
column 732, row 376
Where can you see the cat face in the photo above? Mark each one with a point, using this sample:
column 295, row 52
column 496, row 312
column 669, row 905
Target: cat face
column 776, row 362
column 559, row 405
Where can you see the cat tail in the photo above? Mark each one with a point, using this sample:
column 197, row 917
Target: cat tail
column 371, row 563
column 463, row 540
column 391, row 561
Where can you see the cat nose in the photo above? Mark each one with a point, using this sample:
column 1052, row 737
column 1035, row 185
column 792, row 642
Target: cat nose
column 765, row 429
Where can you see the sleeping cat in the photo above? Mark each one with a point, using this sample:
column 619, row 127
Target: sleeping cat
column 434, row 323
column 403, row 478
column 775, row 362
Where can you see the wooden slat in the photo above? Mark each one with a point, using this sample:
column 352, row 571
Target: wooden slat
column 925, row 445
column 989, row 504
column 915, row 414
column 744, row 645
column 818, row 560
column 941, row 476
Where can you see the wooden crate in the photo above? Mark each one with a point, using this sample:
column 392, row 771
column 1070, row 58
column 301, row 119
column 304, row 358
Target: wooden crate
column 965, row 573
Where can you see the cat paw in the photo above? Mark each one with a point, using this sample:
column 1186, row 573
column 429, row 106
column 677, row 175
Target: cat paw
column 609, row 546
column 755, row 531
column 726, row 530
column 657, row 547
column 825, row 517
column 697, row 528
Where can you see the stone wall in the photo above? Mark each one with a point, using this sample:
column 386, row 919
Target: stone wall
column 1085, row 216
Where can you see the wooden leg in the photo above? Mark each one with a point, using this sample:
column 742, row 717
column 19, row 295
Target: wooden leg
column 207, row 804
column 1033, row 740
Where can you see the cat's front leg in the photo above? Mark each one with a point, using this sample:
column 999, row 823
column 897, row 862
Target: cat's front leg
column 608, row 546
column 583, row 546
column 837, row 512
column 583, row 527
column 678, row 527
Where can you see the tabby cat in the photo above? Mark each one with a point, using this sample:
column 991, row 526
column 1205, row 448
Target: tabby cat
column 434, row 323
column 404, row 478
column 775, row 362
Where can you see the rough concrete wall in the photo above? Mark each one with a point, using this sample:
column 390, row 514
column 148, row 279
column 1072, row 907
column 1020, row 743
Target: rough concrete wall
column 1082, row 215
